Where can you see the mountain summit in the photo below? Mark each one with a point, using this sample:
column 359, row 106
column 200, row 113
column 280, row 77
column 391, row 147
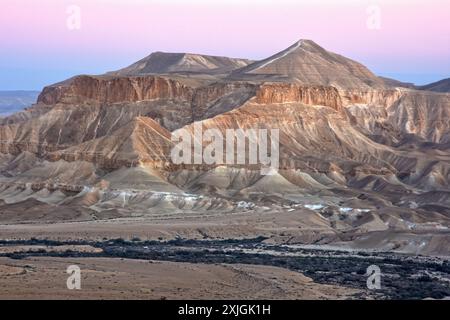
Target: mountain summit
column 163, row 62
column 308, row 63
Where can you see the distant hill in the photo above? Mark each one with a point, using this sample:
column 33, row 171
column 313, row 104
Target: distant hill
column 13, row 101
column 438, row 86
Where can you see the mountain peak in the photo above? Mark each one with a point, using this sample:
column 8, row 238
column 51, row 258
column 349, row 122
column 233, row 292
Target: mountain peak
column 438, row 86
column 307, row 62
column 166, row 62
column 306, row 42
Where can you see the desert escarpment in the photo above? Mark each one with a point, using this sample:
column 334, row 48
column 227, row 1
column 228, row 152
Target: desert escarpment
column 114, row 90
column 357, row 154
column 289, row 93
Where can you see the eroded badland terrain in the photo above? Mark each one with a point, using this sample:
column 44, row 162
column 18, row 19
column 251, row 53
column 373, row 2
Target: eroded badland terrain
column 86, row 178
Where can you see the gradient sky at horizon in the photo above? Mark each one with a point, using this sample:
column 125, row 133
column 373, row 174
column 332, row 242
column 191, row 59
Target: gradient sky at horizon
column 37, row 48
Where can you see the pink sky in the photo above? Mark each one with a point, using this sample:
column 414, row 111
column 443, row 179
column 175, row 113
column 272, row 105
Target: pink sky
column 37, row 48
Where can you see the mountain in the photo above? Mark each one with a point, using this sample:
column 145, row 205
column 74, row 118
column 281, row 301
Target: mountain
column 396, row 83
column 358, row 155
column 438, row 86
column 162, row 63
column 308, row 63
column 14, row 101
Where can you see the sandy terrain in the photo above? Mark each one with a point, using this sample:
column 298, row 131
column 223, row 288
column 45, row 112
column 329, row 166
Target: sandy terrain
column 105, row 278
column 239, row 225
column 299, row 226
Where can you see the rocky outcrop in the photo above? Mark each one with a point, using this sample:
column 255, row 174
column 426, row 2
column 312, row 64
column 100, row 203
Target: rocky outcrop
column 108, row 90
column 294, row 93
column 141, row 141
column 67, row 125
column 403, row 115
column 220, row 97
column 86, row 108
column 424, row 115
column 372, row 97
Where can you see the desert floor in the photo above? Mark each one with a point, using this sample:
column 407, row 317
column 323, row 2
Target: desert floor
column 106, row 278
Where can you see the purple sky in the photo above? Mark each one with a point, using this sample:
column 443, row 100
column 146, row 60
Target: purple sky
column 37, row 48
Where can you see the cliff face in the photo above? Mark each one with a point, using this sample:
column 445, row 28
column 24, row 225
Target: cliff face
column 86, row 108
column 218, row 98
column 289, row 93
column 424, row 115
column 403, row 115
column 372, row 97
column 114, row 90
column 66, row 125
column 313, row 138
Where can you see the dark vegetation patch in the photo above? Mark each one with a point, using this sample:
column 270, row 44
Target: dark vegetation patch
column 403, row 276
